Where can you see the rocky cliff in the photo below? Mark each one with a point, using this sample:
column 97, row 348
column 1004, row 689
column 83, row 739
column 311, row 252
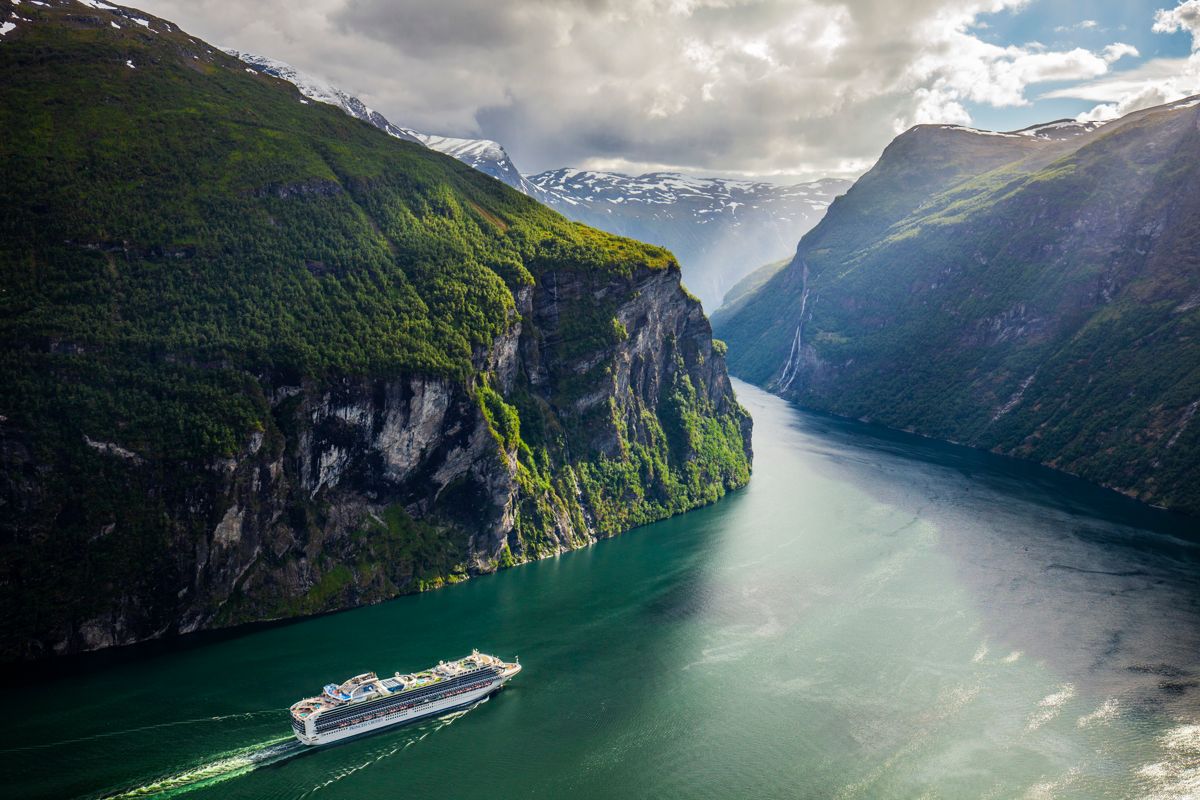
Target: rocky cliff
column 275, row 362
column 365, row 488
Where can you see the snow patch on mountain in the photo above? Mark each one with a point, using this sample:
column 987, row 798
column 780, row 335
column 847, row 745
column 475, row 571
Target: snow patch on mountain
column 322, row 91
column 683, row 193
column 1059, row 129
column 720, row 229
column 976, row 131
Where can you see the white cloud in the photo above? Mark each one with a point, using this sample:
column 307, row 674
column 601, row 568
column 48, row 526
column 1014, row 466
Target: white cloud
column 1082, row 25
column 795, row 87
column 1117, row 51
column 1156, row 82
column 1184, row 17
column 968, row 69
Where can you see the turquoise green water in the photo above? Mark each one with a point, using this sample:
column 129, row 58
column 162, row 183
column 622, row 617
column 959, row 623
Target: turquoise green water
column 875, row 616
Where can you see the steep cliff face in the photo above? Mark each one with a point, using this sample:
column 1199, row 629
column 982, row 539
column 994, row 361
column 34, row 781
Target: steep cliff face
column 289, row 364
column 1041, row 304
column 368, row 488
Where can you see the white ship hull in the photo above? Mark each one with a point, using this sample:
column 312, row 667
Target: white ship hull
column 403, row 717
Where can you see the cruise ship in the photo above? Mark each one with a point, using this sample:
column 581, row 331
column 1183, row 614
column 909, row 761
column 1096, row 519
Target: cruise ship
column 368, row 703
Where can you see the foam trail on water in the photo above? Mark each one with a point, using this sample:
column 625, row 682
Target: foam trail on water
column 1104, row 714
column 1177, row 776
column 221, row 768
column 239, row 762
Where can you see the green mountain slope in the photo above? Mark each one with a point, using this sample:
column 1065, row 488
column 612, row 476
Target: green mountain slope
column 1041, row 303
column 262, row 359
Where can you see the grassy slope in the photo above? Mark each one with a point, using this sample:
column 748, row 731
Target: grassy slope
column 1069, row 271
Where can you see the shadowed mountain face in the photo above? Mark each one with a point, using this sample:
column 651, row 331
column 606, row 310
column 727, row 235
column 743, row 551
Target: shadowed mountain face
column 261, row 359
column 1036, row 293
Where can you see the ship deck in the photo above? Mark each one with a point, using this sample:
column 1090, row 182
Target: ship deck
column 369, row 686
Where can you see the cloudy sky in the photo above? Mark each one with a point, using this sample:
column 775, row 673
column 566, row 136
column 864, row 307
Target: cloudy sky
column 780, row 89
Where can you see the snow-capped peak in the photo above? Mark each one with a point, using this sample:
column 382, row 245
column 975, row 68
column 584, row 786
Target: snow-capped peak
column 322, row 91
column 484, row 155
column 977, row 131
column 720, row 228
column 463, row 148
column 669, row 188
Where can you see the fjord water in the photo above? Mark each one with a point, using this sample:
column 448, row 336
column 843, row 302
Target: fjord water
column 876, row 615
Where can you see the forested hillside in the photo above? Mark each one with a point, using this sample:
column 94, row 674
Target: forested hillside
column 262, row 359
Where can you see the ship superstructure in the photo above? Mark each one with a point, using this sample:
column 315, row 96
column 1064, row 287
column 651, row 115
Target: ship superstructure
column 367, row 702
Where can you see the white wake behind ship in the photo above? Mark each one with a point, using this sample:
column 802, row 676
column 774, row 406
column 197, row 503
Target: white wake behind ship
column 368, row 703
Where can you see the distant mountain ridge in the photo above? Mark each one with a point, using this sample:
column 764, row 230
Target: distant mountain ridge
column 720, row 230
column 1033, row 292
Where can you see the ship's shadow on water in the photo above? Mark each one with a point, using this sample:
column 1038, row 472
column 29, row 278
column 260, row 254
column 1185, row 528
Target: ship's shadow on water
column 678, row 602
column 686, row 591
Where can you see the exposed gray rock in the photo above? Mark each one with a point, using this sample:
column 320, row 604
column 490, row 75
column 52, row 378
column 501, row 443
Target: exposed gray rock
column 372, row 487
